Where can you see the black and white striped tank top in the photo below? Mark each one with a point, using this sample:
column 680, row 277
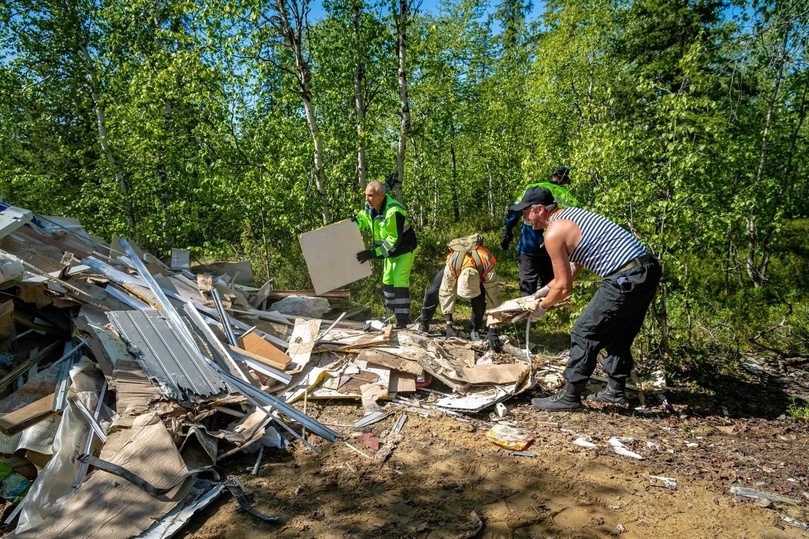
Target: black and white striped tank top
column 604, row 246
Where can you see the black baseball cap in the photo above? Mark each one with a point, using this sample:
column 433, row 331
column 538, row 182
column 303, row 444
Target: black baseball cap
column 533, row 197
column 563, row 173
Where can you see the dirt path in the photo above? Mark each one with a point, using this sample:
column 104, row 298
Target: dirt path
column 445, row 474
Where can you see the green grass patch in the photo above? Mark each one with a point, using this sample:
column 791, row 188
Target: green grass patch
column 798, row 411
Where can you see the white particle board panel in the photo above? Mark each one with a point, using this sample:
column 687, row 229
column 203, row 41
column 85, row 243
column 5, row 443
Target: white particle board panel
column 331, row 255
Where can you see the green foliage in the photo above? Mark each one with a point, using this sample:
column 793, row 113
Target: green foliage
column 798, row 411
column 182, row 125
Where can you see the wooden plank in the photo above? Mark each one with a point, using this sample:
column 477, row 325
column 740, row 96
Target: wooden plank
column 369, row 341
column 402, row 383
column 22, row 418
column 25, row 365
column 264, row 351
column 330, row 254
column 391, row 361
column 302, row 341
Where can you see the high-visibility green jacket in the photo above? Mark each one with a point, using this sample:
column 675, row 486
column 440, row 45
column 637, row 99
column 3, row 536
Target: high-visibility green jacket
column 390, row 228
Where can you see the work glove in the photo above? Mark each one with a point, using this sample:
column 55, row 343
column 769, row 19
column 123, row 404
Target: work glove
column 494, row 340
column 538, row 313
column 542, row 292
column 353, row 218
column 364, row 256
column 505, row 240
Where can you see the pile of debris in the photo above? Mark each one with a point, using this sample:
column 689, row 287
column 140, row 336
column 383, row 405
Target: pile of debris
column 125, row 381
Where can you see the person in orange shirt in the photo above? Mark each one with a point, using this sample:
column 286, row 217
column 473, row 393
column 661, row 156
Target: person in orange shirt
column 469, row 275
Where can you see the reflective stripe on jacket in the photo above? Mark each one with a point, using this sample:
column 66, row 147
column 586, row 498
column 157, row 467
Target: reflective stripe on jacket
column 448, row 291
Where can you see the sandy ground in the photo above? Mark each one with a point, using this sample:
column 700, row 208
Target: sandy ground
column 445, row 479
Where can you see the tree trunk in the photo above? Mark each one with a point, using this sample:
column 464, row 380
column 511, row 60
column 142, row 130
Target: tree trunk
column 359, row 101
column 758, row 252
column 293, row 35
column 404, row 102
column 103, row 139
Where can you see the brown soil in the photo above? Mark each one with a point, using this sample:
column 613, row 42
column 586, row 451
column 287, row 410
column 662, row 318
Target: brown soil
column 445, row 479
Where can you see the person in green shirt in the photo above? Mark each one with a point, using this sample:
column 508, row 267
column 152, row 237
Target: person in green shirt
column 394, row 242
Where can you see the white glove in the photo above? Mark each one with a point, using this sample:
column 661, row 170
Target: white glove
column 538, row 313
column 542, row 292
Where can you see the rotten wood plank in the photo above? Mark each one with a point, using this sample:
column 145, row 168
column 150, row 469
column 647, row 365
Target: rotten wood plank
column 31, row 414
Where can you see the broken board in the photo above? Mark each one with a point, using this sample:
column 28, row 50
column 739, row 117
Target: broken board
column 330, row 254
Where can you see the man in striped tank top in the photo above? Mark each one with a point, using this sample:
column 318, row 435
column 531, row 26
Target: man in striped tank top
column 576, row 239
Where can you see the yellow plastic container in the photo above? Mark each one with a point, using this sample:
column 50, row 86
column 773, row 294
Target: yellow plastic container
column 509, row 437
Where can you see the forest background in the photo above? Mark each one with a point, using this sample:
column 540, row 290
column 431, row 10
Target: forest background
column 229, row 127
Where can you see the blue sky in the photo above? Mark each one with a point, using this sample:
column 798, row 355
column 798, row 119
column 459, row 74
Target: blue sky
column 429, row 6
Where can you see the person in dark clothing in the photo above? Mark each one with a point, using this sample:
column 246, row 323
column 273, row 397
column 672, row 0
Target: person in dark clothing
column 535, row 266
column 576, row 238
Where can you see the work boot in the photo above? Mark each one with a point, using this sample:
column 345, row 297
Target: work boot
column 424, row 321
column 568, row 399
column 402, row 322
column 614, row 392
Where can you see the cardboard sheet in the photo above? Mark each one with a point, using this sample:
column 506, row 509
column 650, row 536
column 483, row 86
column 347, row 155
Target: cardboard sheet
column 331, row 255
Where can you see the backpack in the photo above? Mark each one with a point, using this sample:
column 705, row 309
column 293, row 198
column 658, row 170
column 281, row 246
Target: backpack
column 466, row 246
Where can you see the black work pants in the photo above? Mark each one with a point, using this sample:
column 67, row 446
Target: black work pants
column 431, row 302
column 535, row 272
column 611, row 321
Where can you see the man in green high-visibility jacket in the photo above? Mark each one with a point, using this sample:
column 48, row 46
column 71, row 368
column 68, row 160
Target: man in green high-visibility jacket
column 394, row 242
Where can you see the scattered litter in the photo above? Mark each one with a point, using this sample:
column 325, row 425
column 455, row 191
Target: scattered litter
column 392, row 439
column 486, row 359
column 509, row 437
column 665, row 482
column 370, row 419
column 369, row 440
column 363, row 453
column 529, row 454
column 583, row 442
column 744, row 492
column 797, row 523
column 621, row 449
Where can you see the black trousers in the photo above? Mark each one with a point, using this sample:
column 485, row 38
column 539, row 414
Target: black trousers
column 535, row 272
column 431, row 302
column 611, row 321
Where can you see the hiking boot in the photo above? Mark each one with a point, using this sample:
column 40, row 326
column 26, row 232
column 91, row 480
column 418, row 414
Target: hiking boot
column 402, row 323
column 424, row 327
column 567, row 399
column 474, row 335
column 614, row 393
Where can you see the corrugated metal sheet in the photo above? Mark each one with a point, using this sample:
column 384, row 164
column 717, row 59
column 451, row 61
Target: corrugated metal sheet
column 179, row 371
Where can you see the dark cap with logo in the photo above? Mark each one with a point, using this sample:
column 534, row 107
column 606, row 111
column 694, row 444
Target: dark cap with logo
column 534, row 197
